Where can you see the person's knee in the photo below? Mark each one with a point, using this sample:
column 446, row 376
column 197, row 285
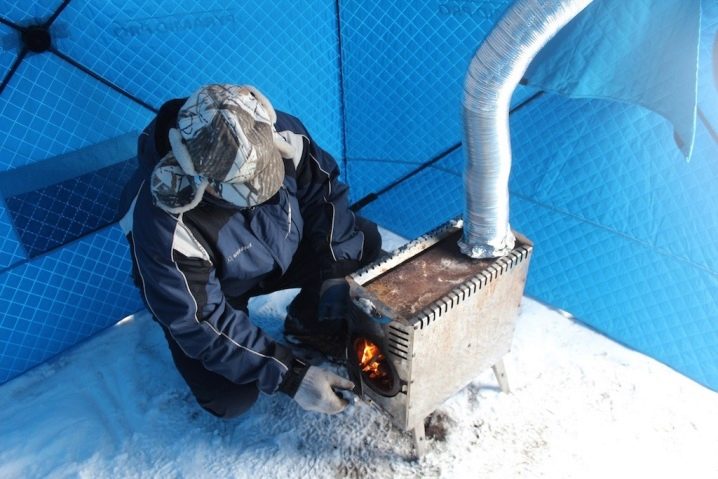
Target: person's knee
column 221, row 409
column 372, row 240
column 231, row 404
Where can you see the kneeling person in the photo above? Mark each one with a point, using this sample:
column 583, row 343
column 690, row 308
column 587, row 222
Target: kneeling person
column 233, row 200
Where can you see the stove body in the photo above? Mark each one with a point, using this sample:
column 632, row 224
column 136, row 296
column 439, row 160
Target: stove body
column 439, row 319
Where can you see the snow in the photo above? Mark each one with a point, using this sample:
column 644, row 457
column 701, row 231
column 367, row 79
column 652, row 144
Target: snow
column 581, row 406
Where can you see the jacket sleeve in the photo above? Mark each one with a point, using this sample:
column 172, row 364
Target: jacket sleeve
column 184, row 295
column 324, row 203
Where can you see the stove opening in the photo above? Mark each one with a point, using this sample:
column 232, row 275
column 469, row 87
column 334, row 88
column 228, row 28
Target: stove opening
column 377, row 371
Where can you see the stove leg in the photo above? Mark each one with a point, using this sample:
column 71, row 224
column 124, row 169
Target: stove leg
column 500, row 373
column 419, row 440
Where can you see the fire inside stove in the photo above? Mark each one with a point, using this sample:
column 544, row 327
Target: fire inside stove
column 375, row 368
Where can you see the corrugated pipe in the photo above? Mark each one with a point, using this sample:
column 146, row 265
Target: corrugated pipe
column 494, row 72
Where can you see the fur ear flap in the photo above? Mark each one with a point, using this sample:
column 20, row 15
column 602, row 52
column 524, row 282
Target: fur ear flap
column 180, row 152
column 264, row 101
column 195, row 201
column 171, row 187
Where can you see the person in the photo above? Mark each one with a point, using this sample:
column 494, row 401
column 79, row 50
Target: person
column 232, row 200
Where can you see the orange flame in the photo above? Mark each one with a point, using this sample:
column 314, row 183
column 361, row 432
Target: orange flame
column 370, row 359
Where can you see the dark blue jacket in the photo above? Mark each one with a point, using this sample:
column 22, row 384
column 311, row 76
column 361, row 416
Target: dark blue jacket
column 189, row 266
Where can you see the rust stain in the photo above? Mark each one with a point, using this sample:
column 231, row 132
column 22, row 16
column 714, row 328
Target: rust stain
column 426, row 277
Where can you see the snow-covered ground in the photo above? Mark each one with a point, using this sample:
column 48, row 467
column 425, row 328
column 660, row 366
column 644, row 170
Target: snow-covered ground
column 581, row 406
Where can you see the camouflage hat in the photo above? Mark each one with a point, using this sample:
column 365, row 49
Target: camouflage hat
column 225, row 140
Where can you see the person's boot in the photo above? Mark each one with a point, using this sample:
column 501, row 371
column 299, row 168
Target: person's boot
column 301, row 327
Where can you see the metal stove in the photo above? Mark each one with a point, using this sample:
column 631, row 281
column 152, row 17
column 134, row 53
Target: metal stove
column 427, row 320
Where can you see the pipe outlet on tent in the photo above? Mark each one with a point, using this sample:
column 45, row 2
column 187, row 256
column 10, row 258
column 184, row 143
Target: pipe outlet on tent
column 37, row 38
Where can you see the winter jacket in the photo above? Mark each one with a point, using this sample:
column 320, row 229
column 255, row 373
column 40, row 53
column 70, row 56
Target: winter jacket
column 190, row 266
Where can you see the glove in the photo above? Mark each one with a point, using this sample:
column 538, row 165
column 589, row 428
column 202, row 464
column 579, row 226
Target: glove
column 333, row 304
column 317, row 393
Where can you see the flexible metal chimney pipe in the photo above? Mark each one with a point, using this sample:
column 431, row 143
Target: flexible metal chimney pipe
column 494, row 72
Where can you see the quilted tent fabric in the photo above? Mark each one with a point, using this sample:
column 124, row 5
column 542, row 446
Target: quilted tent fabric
column 643, row 52
column 622, row 225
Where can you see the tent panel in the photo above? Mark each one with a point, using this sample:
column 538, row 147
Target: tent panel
column 9, row 40
column 52, row 216
column 404, row 68
column 371, row 175
column 404, row 65
column 52, row 108
column 685, row 206
column 598, row 160
column 623, row 223
column 11, row 250
column 708, row 77
column 612, row 165
column 655, row 303
column 616, row 202
column 54, row 201
column 364, row 175
column 425, row 201
column 25, row 13
column 61, row 298
column 166, row 49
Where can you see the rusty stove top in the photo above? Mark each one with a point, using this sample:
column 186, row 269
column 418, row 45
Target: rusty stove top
column 426, row 277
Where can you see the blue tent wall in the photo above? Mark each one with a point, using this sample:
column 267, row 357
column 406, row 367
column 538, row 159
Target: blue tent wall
column 622, row 224
column 64, row 154
column 404, row 64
